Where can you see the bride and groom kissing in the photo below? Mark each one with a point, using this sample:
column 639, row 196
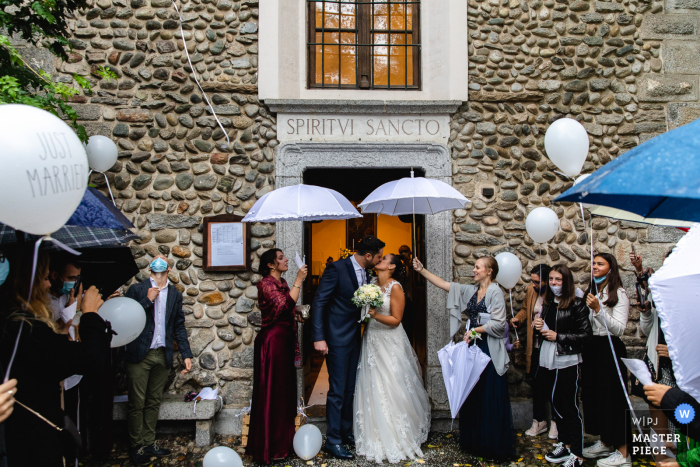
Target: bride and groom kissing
column 376, row 399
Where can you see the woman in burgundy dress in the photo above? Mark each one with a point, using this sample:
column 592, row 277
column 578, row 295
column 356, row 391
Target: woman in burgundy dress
column 276, row 352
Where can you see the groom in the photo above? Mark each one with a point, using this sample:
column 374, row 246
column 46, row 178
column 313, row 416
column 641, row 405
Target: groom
column 336, row 333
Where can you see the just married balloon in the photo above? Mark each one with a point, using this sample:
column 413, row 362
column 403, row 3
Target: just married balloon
column 44, row 170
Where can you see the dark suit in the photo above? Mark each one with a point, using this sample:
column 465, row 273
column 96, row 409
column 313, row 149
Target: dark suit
column 174, row 325
column 147, row 369
column 334, row 319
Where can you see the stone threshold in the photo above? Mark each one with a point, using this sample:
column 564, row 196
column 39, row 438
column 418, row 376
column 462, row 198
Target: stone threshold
column 362, row 106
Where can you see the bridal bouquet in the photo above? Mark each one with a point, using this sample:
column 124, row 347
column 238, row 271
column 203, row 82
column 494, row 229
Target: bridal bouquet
column 367, row 296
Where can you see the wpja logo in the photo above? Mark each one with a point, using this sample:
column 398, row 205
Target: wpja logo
column 684, row 414
column 652, row 443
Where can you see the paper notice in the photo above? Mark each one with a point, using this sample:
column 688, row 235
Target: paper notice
column 299, row 261
column 638, row 369
column 227, row 244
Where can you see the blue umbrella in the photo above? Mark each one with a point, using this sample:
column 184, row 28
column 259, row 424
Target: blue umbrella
column 660, row 178
column 95, row 210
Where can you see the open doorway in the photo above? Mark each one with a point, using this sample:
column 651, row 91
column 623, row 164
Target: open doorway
column 330, row 240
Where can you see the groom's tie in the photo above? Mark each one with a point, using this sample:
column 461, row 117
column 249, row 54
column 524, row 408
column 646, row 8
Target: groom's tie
column 364, row 274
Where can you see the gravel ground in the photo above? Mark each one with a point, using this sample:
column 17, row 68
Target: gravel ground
column 441, row 449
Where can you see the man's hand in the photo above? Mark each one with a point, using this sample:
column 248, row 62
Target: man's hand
column 321, row 346
column 188, row 366
column 636, row 261
column 153, row 293
column 7, row 398
column 72, row 297
column 114, row 295
column 662, row 350
column 656, row 392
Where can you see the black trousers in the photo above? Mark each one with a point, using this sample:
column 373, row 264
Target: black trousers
column 541, row 387
column 72, row 408
column 604, row 397
column 565, row 410
column 342, row 372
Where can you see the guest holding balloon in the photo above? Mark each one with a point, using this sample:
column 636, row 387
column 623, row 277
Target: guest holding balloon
column 604, row 381
column 485, row 419
column 150, row 357
column 541, row 390
column 43, row 357
column 274, row 405
column 564, row 328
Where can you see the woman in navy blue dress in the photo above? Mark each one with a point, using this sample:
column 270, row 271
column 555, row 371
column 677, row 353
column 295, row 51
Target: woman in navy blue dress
column 485, row 419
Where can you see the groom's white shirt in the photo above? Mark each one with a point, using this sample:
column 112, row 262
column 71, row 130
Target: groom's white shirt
column 359, row 271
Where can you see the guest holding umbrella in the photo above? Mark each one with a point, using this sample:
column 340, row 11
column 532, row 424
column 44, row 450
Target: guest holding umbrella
column 276, row 352
column 485, row 419
column 541, row 391
column 604, row 395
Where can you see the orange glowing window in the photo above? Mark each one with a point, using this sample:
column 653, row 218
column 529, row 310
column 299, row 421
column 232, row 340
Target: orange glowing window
column 364, row 44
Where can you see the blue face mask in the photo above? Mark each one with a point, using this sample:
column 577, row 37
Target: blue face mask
column 4, row 270
column 600, row 280
column 159, row 265
column 67, row 287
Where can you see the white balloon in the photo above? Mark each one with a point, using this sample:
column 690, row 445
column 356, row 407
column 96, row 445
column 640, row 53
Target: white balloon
column 101, row 152
column 566, row 143
column 221, row 456
column 307, row 441
column 509, row 269
column 128, row 319
column 44, row 170
column 579, row 180
column 542, row 224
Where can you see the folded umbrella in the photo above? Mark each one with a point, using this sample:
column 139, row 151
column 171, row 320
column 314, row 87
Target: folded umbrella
column 657, row 179
column 72, row 236
column 676, row 291
column 95, row 210
column 107, row 268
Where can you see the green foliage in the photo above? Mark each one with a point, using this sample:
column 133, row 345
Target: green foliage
column 42, row 23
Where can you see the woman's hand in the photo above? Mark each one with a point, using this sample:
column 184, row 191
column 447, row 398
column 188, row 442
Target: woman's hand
column 372, row 313
column 593, row 303
column 538, row 324
column 301, row 273
column 417, row 265
column 549, row 335
column 662, row 350
column 656, row 392
column 92, row 300
column 66, row 327
column 636, row 261
column 517, row 345
column 7, row 398
column 514, row 322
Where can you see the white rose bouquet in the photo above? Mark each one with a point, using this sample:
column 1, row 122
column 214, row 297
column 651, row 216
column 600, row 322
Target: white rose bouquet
column 367, row 296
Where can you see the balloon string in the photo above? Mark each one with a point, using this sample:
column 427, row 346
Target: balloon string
column 110, row 189
column 14, row 352
column 194, row 73
column 510, row 292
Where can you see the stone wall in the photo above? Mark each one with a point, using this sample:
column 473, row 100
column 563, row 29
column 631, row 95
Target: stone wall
column 628, row 70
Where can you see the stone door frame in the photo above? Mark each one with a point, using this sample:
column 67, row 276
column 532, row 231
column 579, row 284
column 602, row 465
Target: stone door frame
column 294, row 157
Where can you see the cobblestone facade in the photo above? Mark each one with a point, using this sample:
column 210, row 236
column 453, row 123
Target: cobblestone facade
column 627, row 70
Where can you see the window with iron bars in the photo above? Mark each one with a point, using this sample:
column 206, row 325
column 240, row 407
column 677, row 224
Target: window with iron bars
column 364, row 44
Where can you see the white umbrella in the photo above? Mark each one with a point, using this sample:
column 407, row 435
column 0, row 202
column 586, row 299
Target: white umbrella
column 413, row 196
column 461, row 369
column 676, row 291
column 301, row 203
column 614, row 213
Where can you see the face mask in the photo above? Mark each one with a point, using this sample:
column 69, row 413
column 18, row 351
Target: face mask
column 159, row 265
column 600, row 280
column 556, row 290
column 4, row 270
column 67, row 287
column 540, row 289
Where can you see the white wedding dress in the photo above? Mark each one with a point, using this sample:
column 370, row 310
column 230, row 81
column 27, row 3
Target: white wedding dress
column 392, row 411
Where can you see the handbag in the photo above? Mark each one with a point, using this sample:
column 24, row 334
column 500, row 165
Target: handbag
column 70, row 436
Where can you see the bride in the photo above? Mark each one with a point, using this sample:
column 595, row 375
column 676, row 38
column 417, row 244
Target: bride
column 392, row 412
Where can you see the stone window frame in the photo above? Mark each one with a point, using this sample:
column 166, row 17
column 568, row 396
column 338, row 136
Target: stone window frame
column 294, row 157
column 365, row 46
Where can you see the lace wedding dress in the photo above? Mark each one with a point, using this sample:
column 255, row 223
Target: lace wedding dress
column 392, row 411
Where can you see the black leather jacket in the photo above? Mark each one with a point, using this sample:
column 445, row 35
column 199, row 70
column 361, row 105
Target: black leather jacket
column 573, row 326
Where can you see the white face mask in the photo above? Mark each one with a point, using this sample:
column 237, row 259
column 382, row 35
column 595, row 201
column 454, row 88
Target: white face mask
column 556, row 290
